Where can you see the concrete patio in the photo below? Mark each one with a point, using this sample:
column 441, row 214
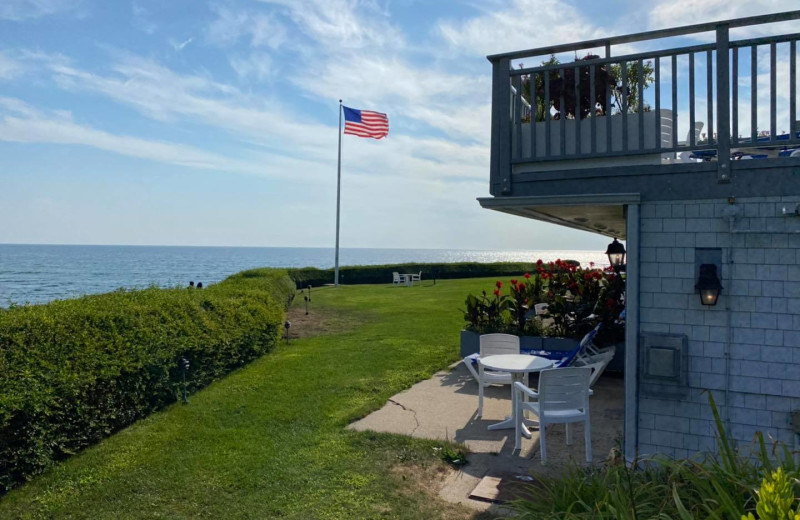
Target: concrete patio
column 444, row 407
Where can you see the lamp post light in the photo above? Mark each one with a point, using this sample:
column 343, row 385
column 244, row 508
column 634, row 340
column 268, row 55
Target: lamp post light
column 708, row 284
column 306, row 298
column 286, row 326
column 184, row 364
column 616, row 255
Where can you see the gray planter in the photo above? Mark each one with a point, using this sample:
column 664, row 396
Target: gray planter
column 470, row 343
column 617, row 364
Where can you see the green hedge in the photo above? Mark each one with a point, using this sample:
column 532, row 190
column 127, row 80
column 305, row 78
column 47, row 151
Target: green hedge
column 75, row 371
column 363, row 274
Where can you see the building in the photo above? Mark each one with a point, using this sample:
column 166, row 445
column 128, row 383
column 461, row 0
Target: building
column 623, row 162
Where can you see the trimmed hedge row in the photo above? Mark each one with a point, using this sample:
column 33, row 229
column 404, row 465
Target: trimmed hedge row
column 75, row 371
column 364, row 274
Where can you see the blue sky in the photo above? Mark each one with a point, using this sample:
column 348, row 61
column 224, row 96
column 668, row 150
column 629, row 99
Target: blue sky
column 188, row 122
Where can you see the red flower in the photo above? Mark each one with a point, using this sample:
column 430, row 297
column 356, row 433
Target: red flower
column 528, row 275
column 498, row 284
column 539, row 262
column 520, row 286
column 591, row 264
column 513, row 282
column 497, row 291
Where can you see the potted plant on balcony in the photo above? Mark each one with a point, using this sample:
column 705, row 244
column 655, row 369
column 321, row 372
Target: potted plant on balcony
column 573, row 89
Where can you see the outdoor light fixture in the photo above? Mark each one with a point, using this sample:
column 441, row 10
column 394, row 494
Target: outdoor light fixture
column 708, row 284
column 286, row 326
column 306, row 298
column 616, row 255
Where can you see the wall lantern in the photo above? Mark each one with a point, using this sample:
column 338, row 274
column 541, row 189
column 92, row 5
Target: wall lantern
column 616, row 255
column 708, row 284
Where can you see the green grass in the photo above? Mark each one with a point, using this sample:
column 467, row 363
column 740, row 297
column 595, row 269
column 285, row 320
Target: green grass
column 270, row 439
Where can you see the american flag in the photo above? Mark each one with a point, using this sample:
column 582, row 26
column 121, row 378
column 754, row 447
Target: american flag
column 365, row 123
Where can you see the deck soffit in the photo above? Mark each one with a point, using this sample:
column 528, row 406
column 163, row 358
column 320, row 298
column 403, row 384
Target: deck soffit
column 602, row 214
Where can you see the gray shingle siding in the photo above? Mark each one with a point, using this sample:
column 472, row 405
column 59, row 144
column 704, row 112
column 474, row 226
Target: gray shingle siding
column 761, row 293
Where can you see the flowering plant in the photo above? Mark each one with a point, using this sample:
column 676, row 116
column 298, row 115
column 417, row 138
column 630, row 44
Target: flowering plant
column 576, row 300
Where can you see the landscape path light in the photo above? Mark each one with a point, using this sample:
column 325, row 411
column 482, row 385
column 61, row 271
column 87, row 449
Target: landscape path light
column 184, row 364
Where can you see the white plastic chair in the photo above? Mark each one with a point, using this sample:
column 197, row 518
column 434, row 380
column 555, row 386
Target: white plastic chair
column 588, row 350
column 492, row 345
column 416, row 277
column 396, row 280
column 598, row 364
column 563, row 397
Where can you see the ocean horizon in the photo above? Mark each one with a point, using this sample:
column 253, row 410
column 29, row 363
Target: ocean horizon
column 39, row 273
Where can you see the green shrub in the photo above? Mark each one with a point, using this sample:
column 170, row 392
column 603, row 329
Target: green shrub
column 75, row 371
column 363, row 274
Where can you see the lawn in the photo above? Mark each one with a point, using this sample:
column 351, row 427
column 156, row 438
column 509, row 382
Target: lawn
column 270, row 440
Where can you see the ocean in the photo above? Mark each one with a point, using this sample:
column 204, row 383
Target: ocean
column 42, row 273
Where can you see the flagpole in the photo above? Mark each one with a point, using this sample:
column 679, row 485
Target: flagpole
column 338, row 198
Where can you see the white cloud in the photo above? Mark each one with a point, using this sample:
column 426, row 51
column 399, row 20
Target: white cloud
column 455, row 104
column 9, row 68
column 262, row 30
column 178, row 45
column 518, row 25
column 19, row 10
column 257, row 66
column 142, row 20
column 675, row 13
column 22, row 123
column 345, row 24
column 292, row 145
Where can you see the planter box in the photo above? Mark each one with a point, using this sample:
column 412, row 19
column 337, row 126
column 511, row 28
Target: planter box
column 652, row 141
column 470, row 343
column 617, row 364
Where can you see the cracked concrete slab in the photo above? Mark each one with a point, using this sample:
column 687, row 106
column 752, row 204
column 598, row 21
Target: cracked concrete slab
column 444, row 407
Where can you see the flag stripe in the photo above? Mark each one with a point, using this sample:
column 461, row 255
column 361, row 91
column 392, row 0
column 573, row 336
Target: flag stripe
column 365, row 123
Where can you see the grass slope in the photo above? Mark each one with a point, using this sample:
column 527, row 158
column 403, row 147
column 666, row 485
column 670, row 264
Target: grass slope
column 269, row 440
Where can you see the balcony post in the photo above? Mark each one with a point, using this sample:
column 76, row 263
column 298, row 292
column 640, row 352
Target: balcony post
column 723, row 105
column 500, row 159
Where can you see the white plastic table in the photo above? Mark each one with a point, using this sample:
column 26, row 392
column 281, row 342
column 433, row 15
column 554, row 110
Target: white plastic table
column 517, row 365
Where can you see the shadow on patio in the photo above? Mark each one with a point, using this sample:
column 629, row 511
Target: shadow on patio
column 445, row 406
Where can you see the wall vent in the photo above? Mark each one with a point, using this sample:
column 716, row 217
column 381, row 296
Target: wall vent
column 664, row 365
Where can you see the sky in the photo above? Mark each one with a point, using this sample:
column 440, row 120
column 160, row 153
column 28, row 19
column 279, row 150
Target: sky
column 186, row 122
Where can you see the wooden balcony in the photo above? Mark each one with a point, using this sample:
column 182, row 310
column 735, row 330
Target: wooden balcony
column 655, row 124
